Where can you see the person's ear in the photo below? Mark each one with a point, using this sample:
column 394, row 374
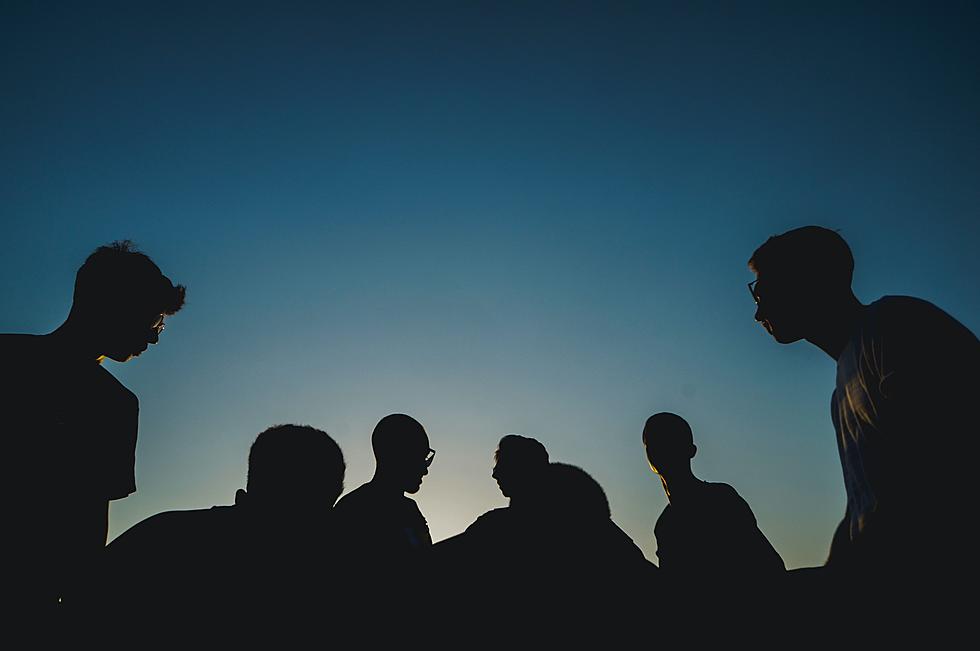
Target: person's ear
column 241, row 497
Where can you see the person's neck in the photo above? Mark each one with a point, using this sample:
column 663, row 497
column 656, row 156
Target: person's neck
column 679, row 484
column 385, row 483
column 833, row 333
column 75, row 342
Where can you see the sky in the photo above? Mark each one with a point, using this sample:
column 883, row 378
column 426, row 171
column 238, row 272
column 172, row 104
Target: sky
column 497, row 217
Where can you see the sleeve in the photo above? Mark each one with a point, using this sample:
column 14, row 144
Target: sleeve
column 121, row 454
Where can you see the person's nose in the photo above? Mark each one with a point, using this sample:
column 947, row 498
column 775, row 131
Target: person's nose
column 759, row 316
column 154, row 337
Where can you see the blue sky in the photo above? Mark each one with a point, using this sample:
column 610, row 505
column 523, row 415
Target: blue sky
column 503, row 217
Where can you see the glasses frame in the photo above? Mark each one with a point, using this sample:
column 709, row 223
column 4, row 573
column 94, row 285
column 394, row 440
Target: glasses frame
column 429, row 457
column 158, row 325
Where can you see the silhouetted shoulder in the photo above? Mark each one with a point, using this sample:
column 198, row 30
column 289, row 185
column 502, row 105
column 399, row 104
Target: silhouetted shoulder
column 20, row 353
column 169, row 532
column 360, row 496
column 368, row 498
column 19, row 344
column 909, row 350
column 725, row 499
column 494, row 524
column 915, row 320
column 491, row 518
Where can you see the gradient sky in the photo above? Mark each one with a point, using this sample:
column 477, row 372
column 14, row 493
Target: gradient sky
column 492, row 216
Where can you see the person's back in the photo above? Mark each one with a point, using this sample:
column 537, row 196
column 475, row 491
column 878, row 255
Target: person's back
column 585, row 567
column 712, row 537
column 707, row 534
column 904, row 391
column 177, row 564
column 243, row 568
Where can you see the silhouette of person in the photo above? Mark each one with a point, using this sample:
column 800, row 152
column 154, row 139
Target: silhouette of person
column 496, row 537
column 270, row 554
column 589, row 567
column 519, row 464
column 707, row 534
column 553, row 553
column 383, row 527
column 903, row 399
column 520, row 467
column 70, row 426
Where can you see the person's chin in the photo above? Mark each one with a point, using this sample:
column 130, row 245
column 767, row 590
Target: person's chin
column 414, row 489
column 780, row 335
column 784, row 338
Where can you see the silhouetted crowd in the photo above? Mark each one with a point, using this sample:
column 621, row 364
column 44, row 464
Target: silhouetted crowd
column 291, row 558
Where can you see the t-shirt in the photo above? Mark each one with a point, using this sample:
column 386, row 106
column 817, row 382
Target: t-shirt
column 69, row 428
column 904, row 413
column 377, row 521
column 712, row 536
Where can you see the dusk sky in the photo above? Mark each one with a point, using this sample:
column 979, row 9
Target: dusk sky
column 497, row 217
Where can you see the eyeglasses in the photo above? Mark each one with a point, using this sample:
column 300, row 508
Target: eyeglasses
column 429, row 457
column 755, row 297
column 158, row 324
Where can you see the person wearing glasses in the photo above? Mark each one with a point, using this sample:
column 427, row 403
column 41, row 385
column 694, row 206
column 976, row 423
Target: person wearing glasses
column 69, row 426
column 902, row 408
column 384, row 528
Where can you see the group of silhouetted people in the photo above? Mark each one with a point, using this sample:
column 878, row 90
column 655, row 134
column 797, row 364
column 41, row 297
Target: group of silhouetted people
column 288, row 550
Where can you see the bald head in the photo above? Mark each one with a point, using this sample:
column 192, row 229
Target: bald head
column 401, row 449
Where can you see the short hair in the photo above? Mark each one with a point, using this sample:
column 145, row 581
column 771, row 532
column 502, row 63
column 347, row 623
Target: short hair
column 669, row 427
column 574, row 493
column 288, row 460
column 119, row 272
column 395, row 435
column 522, row 450
column 807, row 253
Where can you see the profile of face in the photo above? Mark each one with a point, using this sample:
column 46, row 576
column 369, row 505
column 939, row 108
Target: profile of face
column 401, row 448
column 503, row 474
column 126, row 335
column 415, row 466
column 781, row 308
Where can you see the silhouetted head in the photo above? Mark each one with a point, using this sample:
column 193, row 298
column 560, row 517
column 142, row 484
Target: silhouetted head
column 669, row 443
column 121, row 298
column 573, row 496
column 401, row 449
column 800, row 276
column 294, row 469
column 519, row 464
